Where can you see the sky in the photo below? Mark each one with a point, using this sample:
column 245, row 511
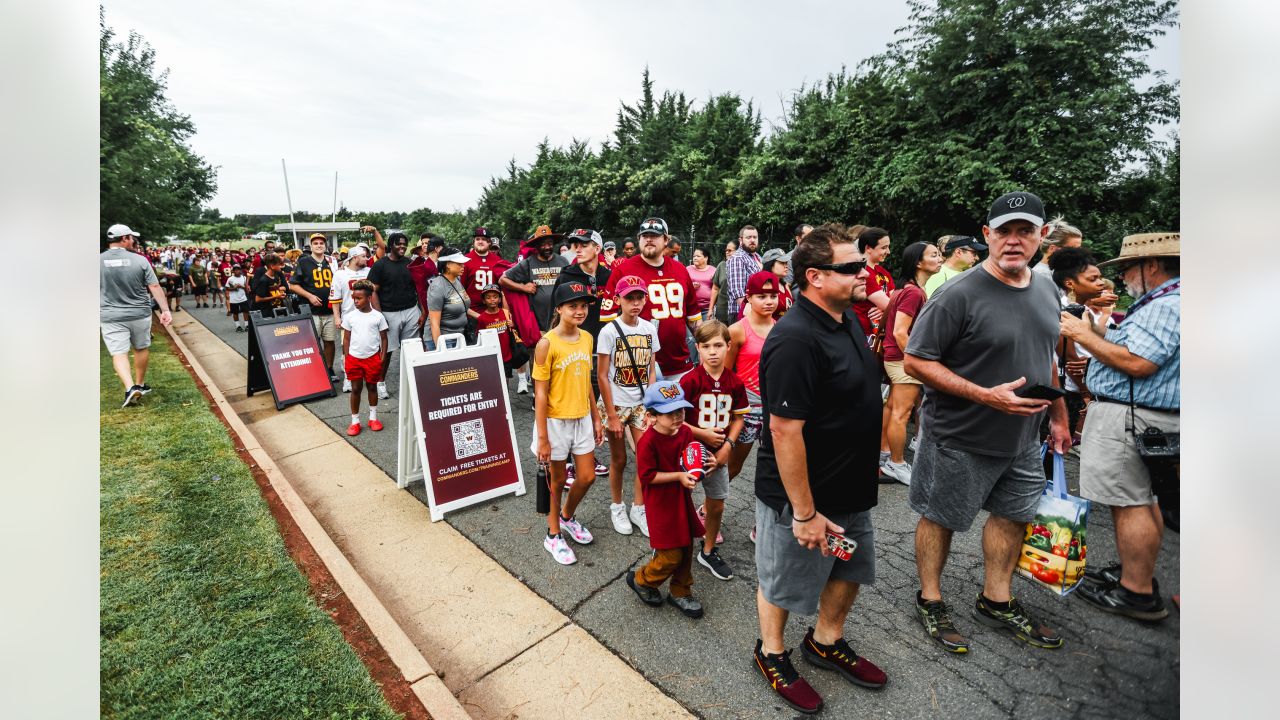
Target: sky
column 419, row 103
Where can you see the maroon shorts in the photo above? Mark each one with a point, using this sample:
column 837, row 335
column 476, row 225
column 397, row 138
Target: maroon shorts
column 368, row 369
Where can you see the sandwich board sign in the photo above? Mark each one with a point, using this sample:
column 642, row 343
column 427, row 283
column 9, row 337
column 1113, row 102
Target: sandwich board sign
column 285, row 357
column 456, row 429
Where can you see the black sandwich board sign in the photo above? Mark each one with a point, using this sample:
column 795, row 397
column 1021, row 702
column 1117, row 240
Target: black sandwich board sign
column 285, row 357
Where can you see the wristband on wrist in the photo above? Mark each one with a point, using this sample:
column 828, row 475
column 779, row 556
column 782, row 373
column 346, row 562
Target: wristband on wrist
column 812, row 515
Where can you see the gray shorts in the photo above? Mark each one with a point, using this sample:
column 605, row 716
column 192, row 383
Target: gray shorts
column 120, row 336
column 792, row 577
column 401, row 325
column 949, row 486
column 715, row 484
column 1111, row 470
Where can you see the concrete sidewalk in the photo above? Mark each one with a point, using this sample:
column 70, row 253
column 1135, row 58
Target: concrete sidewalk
column 498, row 647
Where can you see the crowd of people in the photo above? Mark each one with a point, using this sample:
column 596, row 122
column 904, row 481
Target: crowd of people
column 813, row 355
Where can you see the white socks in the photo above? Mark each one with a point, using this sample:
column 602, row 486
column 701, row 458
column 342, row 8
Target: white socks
column 373, row 413
column 355, row 419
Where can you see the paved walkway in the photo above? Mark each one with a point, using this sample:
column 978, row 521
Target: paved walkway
column 1109, row 666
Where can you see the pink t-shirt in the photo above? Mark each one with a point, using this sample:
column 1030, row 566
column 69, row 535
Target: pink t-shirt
column 702, row 289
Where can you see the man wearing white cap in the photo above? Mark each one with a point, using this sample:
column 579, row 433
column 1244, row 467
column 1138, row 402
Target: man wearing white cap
column 128, row 284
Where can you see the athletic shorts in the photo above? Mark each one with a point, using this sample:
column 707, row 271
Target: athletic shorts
column 401, row 325
column 240, row 307
column 629, row 415
column 897, row 375
column 324, row 327
column 367, row 369
column 1111, row 470
column 125, row 334
column 568, row 437
column 751, row 424
column 949, row 486
column 200, row 289
column 715, row 484
column 792, row 577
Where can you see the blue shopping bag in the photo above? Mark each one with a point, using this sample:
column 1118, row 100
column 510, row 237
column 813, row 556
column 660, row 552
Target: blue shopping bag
column 1053, row 549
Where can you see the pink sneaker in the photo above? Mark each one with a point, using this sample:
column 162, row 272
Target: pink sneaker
column 702, row 515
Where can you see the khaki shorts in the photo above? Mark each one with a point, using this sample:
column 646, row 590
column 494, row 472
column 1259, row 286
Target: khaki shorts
column 325, row 328
column 898, row 375
column 122, row 335
column 631, row 415
column 1111, row 470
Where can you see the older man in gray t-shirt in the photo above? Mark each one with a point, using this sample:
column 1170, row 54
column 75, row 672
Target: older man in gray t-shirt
column 128, row 284
column 980, row 343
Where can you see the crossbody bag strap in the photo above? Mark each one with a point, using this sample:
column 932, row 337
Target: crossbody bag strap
column 631, row 355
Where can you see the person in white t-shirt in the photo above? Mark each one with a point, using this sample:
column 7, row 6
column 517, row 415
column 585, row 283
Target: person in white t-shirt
column 237, row 298
column 622, row 376
column 364, row 345
column 357, row 268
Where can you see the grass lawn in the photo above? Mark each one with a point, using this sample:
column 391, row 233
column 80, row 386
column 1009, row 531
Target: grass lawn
column 203, row 613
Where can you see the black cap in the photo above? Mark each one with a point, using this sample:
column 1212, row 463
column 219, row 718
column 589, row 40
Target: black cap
column 960, row 241
column 1016, row 206
column 573, row 291
column 481, row 232
column 653, row 225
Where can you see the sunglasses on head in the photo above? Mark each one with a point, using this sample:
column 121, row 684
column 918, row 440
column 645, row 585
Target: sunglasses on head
column 849, row 268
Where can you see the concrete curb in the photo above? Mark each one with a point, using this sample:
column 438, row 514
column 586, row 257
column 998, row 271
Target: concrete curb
column 417, row 672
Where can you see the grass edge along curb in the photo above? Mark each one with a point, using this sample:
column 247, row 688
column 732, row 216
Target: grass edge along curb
column 203, row 612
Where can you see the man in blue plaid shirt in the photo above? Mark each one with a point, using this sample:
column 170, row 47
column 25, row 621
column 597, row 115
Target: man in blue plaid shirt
column 1135, row 378
column 744, row 263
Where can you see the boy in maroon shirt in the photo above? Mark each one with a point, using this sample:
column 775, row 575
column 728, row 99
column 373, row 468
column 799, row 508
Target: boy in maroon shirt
column 494, row 316
column 672, row 521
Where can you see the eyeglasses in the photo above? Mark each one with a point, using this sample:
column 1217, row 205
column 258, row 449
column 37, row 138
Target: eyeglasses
column 849, row 268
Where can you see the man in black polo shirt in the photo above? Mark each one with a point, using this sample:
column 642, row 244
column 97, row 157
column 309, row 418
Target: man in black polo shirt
column 816, row 468
column 312, row 279
column 396, row 297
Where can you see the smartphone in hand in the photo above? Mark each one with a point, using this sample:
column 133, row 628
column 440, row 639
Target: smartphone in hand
column 840, row 546
column 1040, row 392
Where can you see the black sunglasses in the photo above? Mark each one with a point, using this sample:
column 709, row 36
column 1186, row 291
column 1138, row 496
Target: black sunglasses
column 849, row 268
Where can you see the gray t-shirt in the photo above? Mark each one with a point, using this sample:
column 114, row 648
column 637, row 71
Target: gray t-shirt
column 123, row 278
column 987, row 333
column 450, row 298
column 544, row 274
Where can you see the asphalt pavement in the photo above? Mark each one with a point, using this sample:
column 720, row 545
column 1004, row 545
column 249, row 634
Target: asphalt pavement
column 1108, row 667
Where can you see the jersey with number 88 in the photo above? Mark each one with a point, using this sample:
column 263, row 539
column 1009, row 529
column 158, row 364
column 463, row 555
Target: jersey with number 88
column 713, row 410
column 666, row 300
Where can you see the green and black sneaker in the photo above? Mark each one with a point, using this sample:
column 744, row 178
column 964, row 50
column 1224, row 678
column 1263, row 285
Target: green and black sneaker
column 937, row 621
column 1016, row 620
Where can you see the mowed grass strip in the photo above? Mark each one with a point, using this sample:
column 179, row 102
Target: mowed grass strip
column 203, row 612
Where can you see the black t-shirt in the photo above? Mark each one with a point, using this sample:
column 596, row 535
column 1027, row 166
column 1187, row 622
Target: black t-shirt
column 396, row 290
column 266, row 286
column 820, row 371
column 316, row 278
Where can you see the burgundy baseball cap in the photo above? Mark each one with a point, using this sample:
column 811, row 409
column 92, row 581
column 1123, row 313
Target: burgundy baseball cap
column 481, row 232
column 762, row 283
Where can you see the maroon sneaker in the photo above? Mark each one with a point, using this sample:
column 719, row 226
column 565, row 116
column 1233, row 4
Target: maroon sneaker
column 782, row 676
column 841, row 658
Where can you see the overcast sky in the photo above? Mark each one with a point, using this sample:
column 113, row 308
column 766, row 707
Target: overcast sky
column 418, row 103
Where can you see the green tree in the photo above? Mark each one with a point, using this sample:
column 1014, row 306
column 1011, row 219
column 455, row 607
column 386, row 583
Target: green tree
column 149, row 177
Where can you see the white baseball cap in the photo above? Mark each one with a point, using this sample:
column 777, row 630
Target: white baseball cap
column 118, row 231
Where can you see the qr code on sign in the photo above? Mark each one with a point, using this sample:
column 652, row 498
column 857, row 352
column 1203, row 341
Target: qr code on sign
column 468, row 439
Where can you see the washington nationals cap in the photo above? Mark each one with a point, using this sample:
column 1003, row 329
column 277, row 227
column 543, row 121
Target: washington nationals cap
column 1016, row 206
column 653, row 226
column 665, row 396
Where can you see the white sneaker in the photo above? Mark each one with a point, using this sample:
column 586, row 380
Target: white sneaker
column 576, row 531
column 898, row 471
column 382, row 391
column 915, row 443
column 522, row 385
column 640, row 519
column 346, row 386
column 559, row 550
column 618, row 514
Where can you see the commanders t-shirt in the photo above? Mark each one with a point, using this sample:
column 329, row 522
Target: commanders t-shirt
column 623, row 376
column 670, row 306
column 317, row 279
column 715, row 401
column 265, row 286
